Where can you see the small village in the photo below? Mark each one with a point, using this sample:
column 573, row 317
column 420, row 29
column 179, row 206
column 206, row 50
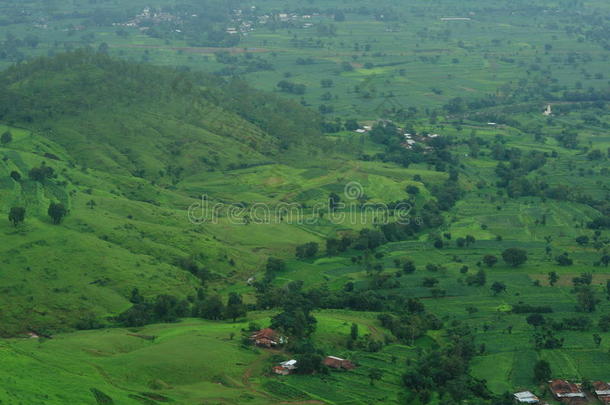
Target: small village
column 569, row 393
column 410, row 140
column 268, row 338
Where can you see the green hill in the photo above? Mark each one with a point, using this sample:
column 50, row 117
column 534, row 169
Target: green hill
column 118, row 139
column 127, row 148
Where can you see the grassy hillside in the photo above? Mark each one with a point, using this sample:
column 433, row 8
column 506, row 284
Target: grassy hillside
column 186, row 191
column 127, row 164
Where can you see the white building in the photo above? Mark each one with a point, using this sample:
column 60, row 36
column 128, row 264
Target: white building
column 526, row 397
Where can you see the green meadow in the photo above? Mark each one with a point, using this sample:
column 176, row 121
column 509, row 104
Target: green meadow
column 184, row 167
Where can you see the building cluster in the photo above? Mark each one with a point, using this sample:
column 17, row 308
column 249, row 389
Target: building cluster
column 269, row 338
column 149, row 17
column 412, row 139
column 569, row 393
column 337, row 363
column 364, row 129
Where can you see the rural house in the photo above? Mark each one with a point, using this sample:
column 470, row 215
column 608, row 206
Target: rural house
column 267, row 338
column 285, row 367
column 602, row 391
column 338, row 363
column 526, row 397
column 567, row 392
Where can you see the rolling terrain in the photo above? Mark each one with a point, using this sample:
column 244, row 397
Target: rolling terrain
column 218, row 182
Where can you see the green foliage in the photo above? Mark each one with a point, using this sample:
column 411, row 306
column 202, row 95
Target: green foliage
column 6, row 137
column 542, row 372
column 16, row 215
column 57, row 212
column 514, row 256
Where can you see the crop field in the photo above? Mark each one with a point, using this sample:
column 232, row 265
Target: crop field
column 201, row 149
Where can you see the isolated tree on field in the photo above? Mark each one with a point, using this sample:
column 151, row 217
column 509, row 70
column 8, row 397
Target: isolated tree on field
column 553, row 278
column 535, row 320
column 333, row 201
column 408, row 267
column 375, row 374
column 582, row 240
column 57, row 212
column 497, row 287
column 490, row 260
column 16, row 215
column 514, row 256
column 597, row 339
column 564, row 259
column 15, row 175
column 412, row 190
column 91, row 204
column 6, row 137
column 354, row 331
column 542, row 371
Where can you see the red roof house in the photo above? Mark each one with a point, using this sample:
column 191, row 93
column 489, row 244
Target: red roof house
column 267, row 338
column 338, row 363
column 567, row 392
column 602, row 391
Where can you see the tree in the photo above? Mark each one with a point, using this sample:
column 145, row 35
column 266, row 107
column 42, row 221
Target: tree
column 375, row 374
column 582, row 240
column 16, row 215
column 497, row 287
column 91, row 204
column 412, row 190
column 273, row 266
column 211, row 308
column 41, row 173
column 564, row 260
column 536, row 320
column 478, row 279
column 308, row 363
column 354, row 331
column 235, row 307
column 408, row 267
column 15, row 175
column 553, row 278
column 333, row 201
column 57, row 212
column 597, row 339
column 542, row 371
column 6, row 137
column 308, row 250
column 514, row 256
column 490, row 260
column 586, row 299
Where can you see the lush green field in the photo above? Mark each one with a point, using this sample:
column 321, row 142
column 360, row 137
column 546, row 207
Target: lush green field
column 137, row 150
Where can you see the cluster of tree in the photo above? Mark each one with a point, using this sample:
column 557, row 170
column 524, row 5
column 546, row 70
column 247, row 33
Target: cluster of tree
column 290, row 87
column 122, row 84
column 307, row 250
column 41, row 173
column 167, row 308
column 296, row 319
column 445, row 371
column 411, row 323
